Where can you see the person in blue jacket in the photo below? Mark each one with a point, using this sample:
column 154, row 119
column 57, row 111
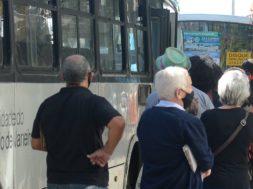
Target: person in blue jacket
column 165, row 128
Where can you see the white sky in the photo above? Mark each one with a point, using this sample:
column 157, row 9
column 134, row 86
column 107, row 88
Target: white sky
column 242, row 7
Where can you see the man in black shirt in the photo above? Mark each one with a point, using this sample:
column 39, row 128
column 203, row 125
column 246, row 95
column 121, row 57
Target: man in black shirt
column 72, row 122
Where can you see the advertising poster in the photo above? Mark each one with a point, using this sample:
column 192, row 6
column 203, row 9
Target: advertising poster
column 236, row 58
column 202, row 43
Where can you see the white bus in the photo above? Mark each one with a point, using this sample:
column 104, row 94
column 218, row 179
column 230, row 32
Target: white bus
column 216, row 35
column 119, row 38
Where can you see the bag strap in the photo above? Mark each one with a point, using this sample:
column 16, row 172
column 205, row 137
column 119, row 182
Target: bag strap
column 243, row 122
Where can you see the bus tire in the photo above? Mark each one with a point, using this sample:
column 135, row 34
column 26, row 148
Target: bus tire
column 138, row 182
column 134, row 168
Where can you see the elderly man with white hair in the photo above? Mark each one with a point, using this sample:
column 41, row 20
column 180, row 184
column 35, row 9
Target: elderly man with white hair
column 164, row 129
column 230, row 170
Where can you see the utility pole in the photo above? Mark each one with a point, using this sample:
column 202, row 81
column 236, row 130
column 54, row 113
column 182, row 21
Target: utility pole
column 233, row 7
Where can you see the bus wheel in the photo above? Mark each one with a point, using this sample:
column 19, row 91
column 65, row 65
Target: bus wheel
column 138, row 182
column 134, row 168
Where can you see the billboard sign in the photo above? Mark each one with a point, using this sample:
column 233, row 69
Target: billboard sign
column 202, row 43
column 236, row 58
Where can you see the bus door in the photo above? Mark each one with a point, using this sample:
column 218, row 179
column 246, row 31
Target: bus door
column 163, row 30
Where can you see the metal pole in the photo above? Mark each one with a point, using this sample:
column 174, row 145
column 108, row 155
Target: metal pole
column 233, row 7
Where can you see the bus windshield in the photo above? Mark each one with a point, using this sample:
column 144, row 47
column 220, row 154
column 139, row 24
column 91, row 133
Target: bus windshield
column 217, row 36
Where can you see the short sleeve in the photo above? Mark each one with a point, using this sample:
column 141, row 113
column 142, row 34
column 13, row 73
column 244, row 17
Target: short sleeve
column 104, row 112
column 37, row 123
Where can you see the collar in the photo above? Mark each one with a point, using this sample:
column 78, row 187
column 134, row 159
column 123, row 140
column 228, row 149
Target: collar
column 168, row 104
column 73, row 88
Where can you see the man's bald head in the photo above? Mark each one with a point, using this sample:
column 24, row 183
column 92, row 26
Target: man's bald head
column 75, row 69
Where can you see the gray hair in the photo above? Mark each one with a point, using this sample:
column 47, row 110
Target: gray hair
column 75, row 69
column 168, row 80
column 233, row 87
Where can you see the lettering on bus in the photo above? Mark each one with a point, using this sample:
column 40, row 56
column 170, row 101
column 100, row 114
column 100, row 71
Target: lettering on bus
column 8, row 141
column 10, row 136
column 8, row 119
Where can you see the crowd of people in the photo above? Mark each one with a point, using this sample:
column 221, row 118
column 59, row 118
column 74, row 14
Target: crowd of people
column 218, row 132
column 195, row 132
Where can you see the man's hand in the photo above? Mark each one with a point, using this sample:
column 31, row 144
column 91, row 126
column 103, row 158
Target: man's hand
column 99, row 157
column 38, row 144
column 206, row 173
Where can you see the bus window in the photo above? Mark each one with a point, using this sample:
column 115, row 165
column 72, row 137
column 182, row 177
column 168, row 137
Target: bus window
column 45, row 1
column 140, row 47
column 223, row 34
column 133, row 12
column 85, row 39
column 74, row 4
column 110, row 47
column 84, row 5
column 136, row 50
column 1, row 32
column 132, row 49
column 33, row 36
column 69, row 35
column 109, row 8
column 77, row 30
column 136, row 32
column 110, row 43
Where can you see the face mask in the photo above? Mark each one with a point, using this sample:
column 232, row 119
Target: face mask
column 187, row 100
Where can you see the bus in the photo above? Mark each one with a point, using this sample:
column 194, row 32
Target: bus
column 119, row 38
column 227, row 39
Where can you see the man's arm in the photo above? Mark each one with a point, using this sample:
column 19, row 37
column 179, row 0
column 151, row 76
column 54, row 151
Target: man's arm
column 39, row 143
column 116, row 127
column 36, row 144
column 38, row 140
column 206, row 173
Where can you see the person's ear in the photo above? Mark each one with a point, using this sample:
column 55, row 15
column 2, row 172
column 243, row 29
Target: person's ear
column 179, row 94
column 90, row 76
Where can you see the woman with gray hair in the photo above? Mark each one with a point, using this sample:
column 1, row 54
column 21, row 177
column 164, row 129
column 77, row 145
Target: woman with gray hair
column 230, row 170
column 165, row 128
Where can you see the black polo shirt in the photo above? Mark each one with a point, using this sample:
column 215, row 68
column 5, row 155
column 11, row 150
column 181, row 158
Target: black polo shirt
column 73, row 121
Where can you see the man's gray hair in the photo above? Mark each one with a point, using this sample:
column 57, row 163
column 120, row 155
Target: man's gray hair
column 233, row 88
column 75, row 69
column 170, row 79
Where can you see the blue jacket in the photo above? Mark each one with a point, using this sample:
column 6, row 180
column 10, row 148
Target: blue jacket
column 162, row 132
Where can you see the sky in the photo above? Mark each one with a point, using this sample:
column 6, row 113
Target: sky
column 242, row 7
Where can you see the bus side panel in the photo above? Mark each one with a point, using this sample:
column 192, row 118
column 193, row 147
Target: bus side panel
column 7, row 126
column 29, row 165
column 123, row 97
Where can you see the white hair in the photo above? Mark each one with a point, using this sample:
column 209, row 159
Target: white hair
column 233, row 88
column 168, row 80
